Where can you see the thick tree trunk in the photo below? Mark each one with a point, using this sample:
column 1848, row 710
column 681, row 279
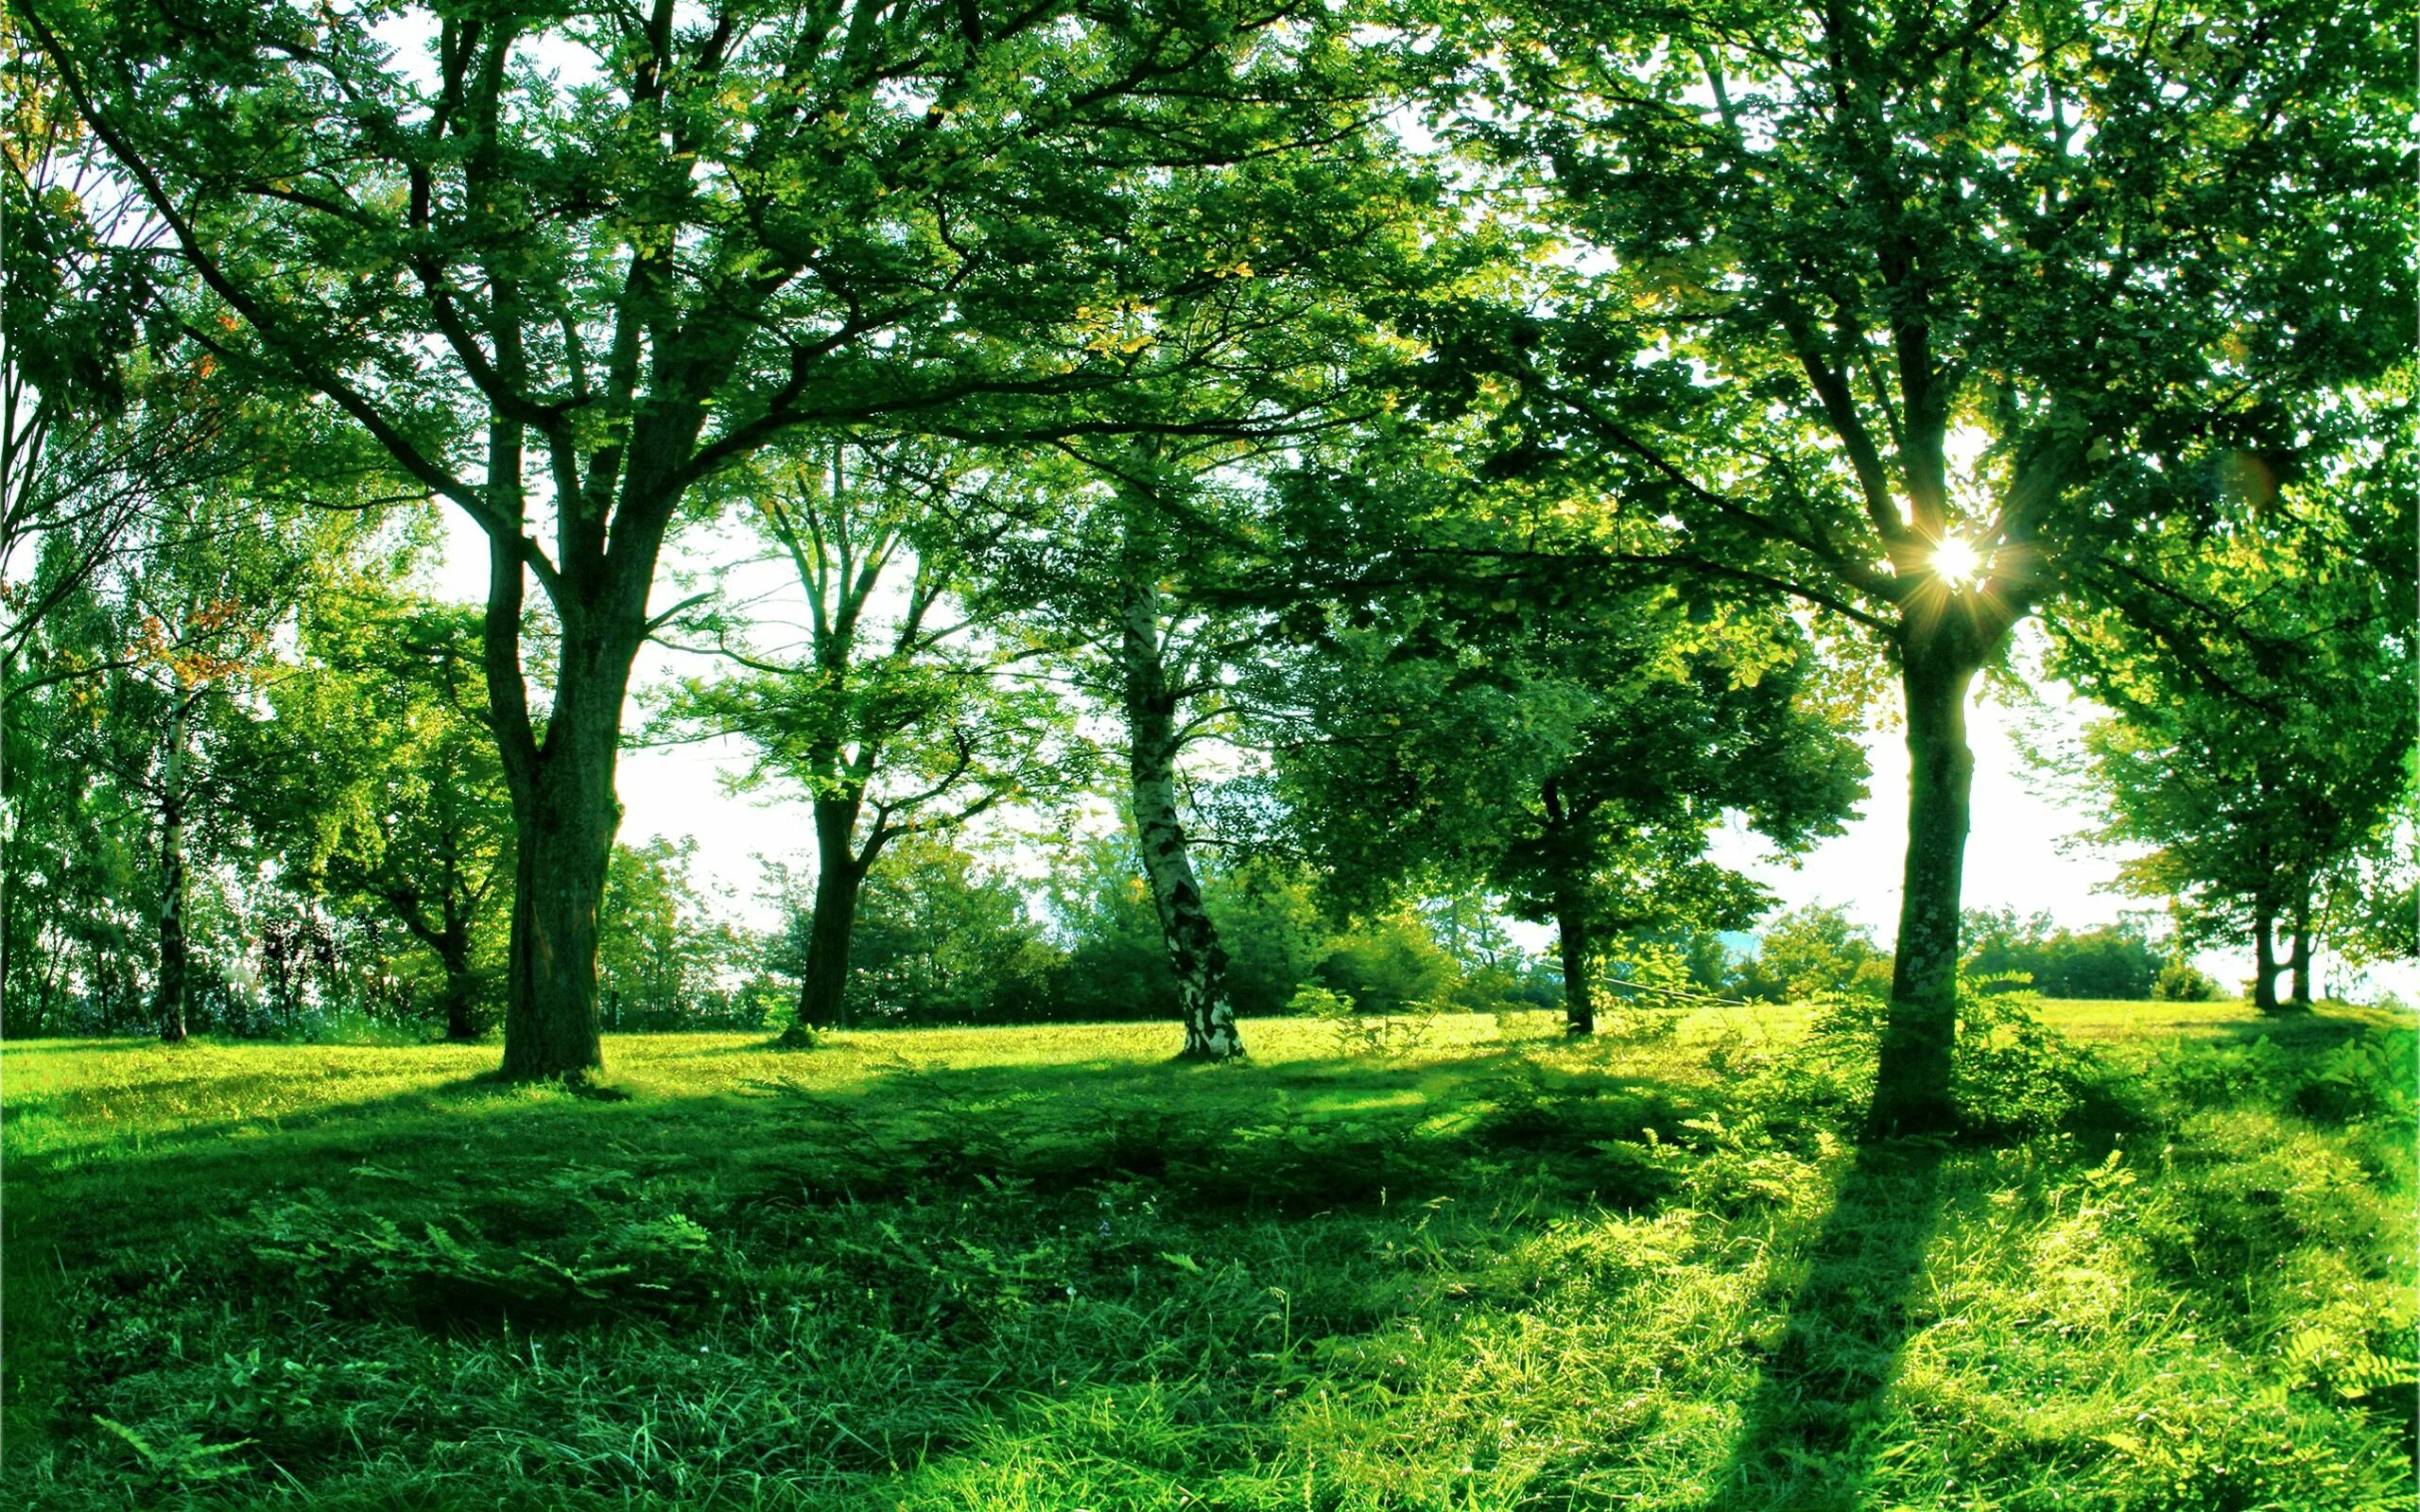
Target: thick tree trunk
column 564, row 817
column 840, row 879
column 565, row 808
column 2264, row 961
column 170, row 1003
column 1579, row 988
column 1911, row 1092
column 1195, row 959
column 563, row 846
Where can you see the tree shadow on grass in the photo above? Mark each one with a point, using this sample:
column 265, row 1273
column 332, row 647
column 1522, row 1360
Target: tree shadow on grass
column 1812, row 1430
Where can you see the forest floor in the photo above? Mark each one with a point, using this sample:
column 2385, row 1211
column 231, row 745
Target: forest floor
column 1451, row 1264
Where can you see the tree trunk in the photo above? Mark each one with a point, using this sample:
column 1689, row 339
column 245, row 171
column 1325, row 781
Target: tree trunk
column 1912, row 1093
column 1195, row 959
column 564, row 816
column 170, row 1003
column 461, row 986
column 2264, row 961
column 562, row 849
column 840, row 878
column 565, row 808
column 2301, row 1000
column 1579, row 988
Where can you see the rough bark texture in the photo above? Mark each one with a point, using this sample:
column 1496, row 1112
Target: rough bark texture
column 1195, row 959
column 1913, row 1092
column 1579, row 988
column 564, row 843
column 840, row 877
column 564, row 815
column 170, row 1003
column 565, row 808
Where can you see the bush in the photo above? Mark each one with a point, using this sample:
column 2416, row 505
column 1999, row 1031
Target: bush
column 1810, row 952
column 2015, row 1076
column 2181, row 981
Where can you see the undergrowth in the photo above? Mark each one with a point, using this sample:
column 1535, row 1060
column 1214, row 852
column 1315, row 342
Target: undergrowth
column 1049, row 1270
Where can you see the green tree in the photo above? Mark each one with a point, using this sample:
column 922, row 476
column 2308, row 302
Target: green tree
column 2114, row 961
column 1923, row 315
column 897, row 714
column 2260, row 752
column 1273, row 928
column 664, row 960
column 377, row 778
column 76, row 443
column 758, row 216
column 1569, row 746
column 1811, row 951
column 940, row 938
column 169, row 648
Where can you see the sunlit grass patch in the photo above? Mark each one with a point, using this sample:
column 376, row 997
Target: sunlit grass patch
column 1048, row 1267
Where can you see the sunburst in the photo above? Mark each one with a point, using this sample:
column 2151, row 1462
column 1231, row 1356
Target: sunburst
column 1957, row 563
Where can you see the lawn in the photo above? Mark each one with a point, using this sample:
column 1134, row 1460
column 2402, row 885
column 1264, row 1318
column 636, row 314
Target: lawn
column 1461, row 1265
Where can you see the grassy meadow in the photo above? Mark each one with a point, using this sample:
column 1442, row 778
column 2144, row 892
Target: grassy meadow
column 1453, row 1264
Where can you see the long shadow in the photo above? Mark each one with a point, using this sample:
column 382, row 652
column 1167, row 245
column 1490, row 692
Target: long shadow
column 1810, row 1435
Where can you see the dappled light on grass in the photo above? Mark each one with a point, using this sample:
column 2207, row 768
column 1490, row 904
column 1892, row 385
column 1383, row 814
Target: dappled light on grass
column 1047, row 1268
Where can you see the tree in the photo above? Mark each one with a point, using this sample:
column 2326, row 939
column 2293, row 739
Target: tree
column 941, row 936
column 75, row 441
column 2114, row 961
column 379, row 780
column 1270, row 927
column 664, row 960
column 1569, row 747
column 1811, row 951
column 897, row 716
column 2265, row 766
column 1925, row 316
column 745, row 219
column 1158, row 580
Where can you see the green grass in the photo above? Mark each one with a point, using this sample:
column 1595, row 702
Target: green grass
column 1046, row 1268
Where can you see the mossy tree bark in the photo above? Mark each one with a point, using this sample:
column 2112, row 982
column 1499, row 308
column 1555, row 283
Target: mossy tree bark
column 1578, row 987
column 1196, row 961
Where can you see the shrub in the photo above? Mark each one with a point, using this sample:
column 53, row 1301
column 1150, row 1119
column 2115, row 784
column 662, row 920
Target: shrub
column 2181, row 981
column 1811, row 952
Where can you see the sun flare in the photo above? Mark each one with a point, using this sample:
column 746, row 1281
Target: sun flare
column 1958, row 562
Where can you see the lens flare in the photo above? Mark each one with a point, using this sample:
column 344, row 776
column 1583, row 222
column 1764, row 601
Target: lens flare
column 1958, row 564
